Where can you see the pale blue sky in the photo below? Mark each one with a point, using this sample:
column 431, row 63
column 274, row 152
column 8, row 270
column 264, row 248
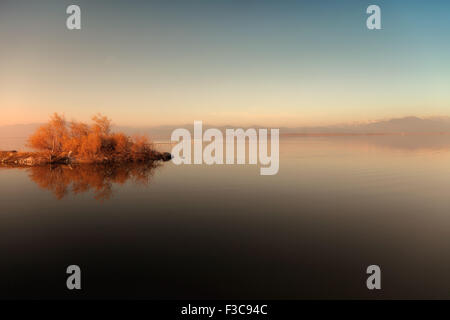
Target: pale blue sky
column 224, row 62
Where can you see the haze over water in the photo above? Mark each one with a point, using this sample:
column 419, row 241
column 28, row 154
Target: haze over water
column 337, row 205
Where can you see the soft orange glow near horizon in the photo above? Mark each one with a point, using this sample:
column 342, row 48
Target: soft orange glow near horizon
column 25, row 115
column 31, row 97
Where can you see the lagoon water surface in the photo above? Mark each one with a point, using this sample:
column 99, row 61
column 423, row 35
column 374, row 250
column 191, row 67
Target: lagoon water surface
column 337, row 205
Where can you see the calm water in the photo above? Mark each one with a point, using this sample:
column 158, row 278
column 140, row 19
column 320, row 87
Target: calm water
column 337, row 205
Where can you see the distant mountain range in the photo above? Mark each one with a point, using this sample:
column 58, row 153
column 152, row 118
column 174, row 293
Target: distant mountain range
column 396, row 125
column 18, row 130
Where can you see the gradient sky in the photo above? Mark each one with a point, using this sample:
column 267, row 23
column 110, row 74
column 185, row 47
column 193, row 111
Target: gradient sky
column 274, row 63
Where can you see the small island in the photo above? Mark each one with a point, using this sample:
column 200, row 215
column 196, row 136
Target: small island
column 63, row 142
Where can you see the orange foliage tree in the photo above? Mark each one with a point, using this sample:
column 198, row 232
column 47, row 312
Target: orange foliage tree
column 50, row 137
column 90, row 142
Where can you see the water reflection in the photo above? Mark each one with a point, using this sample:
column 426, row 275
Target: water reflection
column 63, row 180
column 337, row 205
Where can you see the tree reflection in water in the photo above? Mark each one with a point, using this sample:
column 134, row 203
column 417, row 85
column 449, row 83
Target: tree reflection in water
column 99, row 178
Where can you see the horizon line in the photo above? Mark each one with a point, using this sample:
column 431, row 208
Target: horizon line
column 351, row 123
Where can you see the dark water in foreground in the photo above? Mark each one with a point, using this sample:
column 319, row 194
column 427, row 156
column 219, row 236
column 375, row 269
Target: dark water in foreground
column 337, row 205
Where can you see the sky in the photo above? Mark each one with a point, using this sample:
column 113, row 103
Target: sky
column 246, row 62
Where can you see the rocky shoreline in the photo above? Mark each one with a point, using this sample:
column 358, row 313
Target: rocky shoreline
column 14, row 158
